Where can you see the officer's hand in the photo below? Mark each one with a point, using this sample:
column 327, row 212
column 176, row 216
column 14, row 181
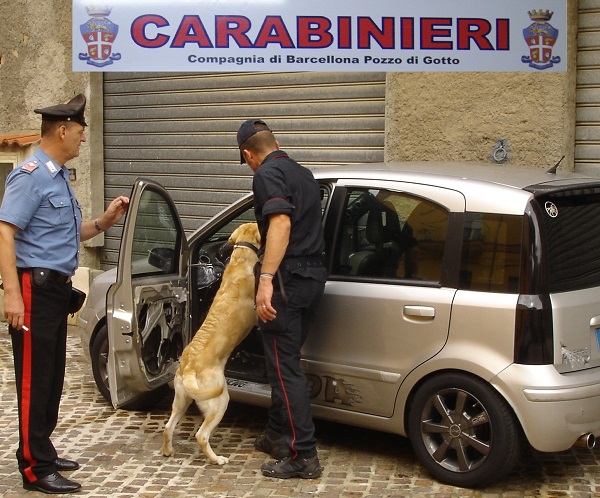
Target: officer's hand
column 14, row 309
column 264, row 309
column 116, row 209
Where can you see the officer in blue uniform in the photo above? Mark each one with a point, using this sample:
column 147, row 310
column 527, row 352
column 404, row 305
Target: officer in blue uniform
column 40, row 232
column 287, row 205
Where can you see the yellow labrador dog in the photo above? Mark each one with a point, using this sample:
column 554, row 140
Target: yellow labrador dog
column 201, row 373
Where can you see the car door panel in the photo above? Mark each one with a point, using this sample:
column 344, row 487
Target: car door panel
column 384, row 310
column 147, row 305
column 358, row 360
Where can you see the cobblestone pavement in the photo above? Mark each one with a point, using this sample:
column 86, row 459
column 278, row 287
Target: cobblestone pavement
column 120, row 454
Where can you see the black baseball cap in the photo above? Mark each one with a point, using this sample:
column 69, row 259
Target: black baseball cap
column 71, row 111
column 249, row 128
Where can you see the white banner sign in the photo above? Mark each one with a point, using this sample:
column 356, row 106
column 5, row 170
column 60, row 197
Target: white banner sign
column 311, row 35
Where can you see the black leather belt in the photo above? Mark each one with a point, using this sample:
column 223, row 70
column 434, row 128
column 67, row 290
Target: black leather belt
column 51, row 274
column 302, row 261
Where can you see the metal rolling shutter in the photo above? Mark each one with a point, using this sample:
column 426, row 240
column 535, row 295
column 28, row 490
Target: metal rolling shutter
column 587, row 143
column 180, row 129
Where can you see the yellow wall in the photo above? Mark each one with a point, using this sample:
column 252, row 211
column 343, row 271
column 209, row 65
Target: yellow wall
column 460, row 116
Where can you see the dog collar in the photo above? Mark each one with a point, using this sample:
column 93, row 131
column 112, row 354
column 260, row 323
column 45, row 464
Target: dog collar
column 247, row 245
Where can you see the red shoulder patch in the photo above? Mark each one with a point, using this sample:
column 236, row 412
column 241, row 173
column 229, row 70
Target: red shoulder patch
column 30, row 166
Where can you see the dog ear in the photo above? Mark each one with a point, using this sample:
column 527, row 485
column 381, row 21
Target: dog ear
column 234, row 236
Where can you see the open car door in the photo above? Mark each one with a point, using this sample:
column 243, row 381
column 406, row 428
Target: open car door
column 147, row 305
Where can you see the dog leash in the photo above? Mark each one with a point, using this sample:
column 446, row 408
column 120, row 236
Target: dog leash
column 247, row 245
column 278, row 272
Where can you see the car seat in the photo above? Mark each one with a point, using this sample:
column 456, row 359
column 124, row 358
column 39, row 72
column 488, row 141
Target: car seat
column 383, row 232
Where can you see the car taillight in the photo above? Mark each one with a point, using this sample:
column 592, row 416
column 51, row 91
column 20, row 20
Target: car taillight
column 533, row 330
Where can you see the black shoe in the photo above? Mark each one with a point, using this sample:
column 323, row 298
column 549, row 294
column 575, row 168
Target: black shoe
column 64, row 464
column 277, row 448
column 53, row 484
column 306, row 468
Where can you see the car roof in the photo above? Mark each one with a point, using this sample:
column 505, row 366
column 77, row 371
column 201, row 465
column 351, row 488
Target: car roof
column 446, row 173
column 485, row 187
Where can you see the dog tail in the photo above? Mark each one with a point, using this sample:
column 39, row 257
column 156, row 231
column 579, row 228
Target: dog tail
column 198, row 392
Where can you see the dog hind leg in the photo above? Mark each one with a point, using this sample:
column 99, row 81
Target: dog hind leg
column 213, row 410
column 181, row 403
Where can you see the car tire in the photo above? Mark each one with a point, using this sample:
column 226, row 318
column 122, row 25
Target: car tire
column 463, row 432
column 99, row 357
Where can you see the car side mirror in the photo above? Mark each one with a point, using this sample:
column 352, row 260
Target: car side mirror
column 163, row 258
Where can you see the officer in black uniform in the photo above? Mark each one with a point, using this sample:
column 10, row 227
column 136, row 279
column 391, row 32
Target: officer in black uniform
column 291, row 281
column 40, row 231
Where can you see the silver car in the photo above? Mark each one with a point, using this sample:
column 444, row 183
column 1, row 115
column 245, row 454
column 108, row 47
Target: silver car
column 462, row 309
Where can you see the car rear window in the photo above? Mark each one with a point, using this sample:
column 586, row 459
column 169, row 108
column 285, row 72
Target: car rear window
column 571, row 235
column 491, row 253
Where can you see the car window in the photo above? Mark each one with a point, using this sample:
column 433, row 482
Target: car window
column 491, row 253
column 247, row 216
column 155, row 247
column 570, row 238
column 222, row 234
column 391, row 235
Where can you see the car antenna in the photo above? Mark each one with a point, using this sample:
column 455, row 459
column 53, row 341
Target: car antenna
column 552, row 170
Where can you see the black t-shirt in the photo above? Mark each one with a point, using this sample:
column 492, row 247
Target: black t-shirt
column 282, row 186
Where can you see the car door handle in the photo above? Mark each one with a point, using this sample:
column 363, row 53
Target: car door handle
column 420, row 311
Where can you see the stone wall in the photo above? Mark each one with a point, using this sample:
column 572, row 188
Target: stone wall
column 461, row 116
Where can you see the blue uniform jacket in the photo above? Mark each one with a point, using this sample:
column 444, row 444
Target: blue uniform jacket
column 39, row 200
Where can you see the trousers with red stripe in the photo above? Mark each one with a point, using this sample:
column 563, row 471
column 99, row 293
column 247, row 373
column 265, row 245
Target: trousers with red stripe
column 39, row 359
column 290, row 414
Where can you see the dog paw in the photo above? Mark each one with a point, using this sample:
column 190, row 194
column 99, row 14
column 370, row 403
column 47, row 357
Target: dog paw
column 167, row 451
column 221, row 460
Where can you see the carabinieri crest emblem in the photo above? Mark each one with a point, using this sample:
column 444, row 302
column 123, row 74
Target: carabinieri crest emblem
column 540, row 37
column 99, row 33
